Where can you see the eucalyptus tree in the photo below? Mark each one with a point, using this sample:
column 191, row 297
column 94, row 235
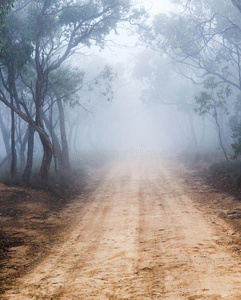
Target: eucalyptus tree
column 205, row 38
column 163, row 85
column 213, row 101
column 5, row 6
column 54, row 31
column 16, row 52
column 64, row 84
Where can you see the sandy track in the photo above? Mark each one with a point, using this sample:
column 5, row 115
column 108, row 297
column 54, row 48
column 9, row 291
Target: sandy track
column 138, row 235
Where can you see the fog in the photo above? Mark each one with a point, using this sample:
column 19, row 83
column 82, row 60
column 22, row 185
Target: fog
column 148, row 83
column 120, row 138
column 139, row 119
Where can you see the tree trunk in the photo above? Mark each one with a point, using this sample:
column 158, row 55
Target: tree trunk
column 21, row 158
column 220, row 137
column 5, row 135
column 47, row 157
column 56, row 145
column 11, row 80
column 13, row 169
column 29, row 165
column 193, row 137
column 23, row 143
column 45, row 140
column 7, row 157
column 65, row 149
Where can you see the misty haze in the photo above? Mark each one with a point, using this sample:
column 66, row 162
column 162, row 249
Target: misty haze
column 120, row 147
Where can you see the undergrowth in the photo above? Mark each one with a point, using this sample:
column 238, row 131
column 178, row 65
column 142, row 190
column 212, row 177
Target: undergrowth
column 56, row 185
column 225, row 176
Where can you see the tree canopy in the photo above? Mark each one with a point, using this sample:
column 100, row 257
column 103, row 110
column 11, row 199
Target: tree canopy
column 38, row 37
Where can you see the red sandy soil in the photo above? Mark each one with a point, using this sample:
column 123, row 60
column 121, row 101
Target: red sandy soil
column 143, row 229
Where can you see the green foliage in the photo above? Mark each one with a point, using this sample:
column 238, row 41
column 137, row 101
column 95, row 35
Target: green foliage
column 235, row 125
column 213, row 100
column 16, row 40
column 204, row 36
column 98, row 17
column 104, row 81
column 75, row 14
column 5, row 6
column 67, row 81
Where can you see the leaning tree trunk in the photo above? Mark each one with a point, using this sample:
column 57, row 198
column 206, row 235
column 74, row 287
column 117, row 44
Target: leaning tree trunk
column 47, row 157
column 41, row 85
column 29, row 164
column 46, row 143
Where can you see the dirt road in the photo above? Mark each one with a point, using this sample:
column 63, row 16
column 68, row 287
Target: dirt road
column 137, row 235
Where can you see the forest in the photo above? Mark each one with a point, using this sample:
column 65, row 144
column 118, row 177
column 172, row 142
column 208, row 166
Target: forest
column 120, row 147
column 184, row 68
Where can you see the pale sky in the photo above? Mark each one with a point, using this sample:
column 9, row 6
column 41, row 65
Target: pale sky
column 156, row 6
column 117, row 53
